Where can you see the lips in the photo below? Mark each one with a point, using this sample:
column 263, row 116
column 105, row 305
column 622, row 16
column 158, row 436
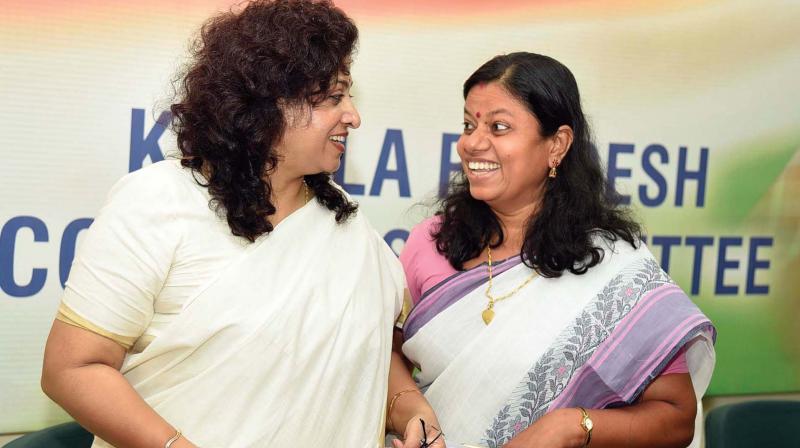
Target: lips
column 338, row 141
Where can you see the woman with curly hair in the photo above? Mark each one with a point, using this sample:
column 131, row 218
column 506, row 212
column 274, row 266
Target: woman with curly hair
column 540, row 319
column 235, row 297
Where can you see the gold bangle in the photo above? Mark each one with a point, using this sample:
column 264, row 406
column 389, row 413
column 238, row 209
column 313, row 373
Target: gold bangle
column 391, row 406
column 173, row 439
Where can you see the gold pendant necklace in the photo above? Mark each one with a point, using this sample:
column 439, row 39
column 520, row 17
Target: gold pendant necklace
column 488, row 313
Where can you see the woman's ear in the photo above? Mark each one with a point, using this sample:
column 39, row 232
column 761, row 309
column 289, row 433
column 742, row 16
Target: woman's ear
column 562, row 142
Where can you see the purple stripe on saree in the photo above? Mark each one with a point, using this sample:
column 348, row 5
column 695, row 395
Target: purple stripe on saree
column 450, row 291
column 644, row 342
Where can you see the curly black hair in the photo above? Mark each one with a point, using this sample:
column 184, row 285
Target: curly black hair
column 227, row 118
column 577, row 204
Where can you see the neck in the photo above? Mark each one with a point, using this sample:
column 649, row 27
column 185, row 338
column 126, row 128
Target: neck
column 285, row 187
column 514, row 222
column 288, row 194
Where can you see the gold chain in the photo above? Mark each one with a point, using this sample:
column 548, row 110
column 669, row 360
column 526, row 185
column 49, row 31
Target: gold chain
column 488, row 313
column 305, row 192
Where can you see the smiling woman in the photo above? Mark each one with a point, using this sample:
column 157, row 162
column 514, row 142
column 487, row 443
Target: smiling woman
column 533, row 296
column 235, row 297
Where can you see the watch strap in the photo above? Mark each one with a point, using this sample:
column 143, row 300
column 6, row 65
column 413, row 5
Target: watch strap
column 587, row 425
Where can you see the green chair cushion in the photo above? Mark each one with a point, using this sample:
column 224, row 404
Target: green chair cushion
column 754, row 424
column 65, row 435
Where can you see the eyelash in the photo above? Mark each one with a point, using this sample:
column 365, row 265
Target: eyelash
column 468, row 127
column 337, row 98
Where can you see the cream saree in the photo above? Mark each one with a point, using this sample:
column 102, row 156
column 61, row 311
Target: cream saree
column 288, row 346
column 596, row 340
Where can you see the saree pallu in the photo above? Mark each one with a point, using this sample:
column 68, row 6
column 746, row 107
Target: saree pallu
column 288, row 346
column 595, row 340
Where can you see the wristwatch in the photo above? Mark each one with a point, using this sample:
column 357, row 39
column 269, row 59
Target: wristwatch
column 587, row 425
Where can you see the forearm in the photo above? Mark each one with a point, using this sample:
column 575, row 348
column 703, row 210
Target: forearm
column 410, row 403
column 646, row 424
column 649, row 424
column 663, row 417
column 102, row 400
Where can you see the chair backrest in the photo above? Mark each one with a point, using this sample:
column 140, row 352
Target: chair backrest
column 65, row 435
column 754, row 424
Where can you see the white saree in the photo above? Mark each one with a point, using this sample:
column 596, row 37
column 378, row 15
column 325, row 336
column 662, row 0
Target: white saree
column 287, row 346
column 594, row 340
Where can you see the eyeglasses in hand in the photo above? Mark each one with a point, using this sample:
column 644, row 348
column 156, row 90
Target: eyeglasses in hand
column 424, row 443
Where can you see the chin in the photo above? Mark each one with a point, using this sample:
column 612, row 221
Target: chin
column 333, row 167
column 330, row 167
column 480, row 194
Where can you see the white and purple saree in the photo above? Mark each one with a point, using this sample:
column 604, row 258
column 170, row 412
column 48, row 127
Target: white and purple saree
column 595, row 340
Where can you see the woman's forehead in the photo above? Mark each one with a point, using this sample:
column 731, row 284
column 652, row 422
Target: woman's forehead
column 491, row 98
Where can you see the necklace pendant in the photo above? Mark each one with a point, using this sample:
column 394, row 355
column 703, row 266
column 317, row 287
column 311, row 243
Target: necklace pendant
column 487, row 315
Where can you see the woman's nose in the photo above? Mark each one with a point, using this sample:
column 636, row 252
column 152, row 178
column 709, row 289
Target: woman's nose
column 351, row 117
column 476, row 141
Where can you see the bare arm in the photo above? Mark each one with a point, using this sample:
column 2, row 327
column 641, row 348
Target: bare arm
column 81, row 374
column 407, row 403
column 663, row 417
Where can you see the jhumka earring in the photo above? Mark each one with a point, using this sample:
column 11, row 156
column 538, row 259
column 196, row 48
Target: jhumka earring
column 552, row 174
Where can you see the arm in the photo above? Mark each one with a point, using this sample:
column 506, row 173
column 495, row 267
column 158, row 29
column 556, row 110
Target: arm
column 407, row 403
column 663, row 417
column 81, row 374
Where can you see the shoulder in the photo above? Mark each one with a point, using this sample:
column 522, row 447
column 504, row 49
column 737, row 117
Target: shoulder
column 158, row 176
column 420, row 240
column 619, row 254
column 423, row 264
column 423, row 232
column 162, row 182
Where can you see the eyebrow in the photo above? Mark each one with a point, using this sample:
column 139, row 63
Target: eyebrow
column 347, row 83
column 494, row 112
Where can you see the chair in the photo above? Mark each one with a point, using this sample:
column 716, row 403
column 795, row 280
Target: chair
column 754, row 424
column 65, row 435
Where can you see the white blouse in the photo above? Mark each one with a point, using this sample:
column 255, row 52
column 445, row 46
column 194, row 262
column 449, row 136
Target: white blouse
column 152, row 245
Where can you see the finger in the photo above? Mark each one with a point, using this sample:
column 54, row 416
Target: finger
column 396, row 443
column 413, row 440
column 411, row 443
column 439, row 443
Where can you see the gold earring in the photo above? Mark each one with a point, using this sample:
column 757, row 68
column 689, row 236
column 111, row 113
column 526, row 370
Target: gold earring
column 552, row 174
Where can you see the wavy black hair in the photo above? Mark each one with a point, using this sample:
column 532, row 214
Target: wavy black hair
column 577, row 204
column 227, row 118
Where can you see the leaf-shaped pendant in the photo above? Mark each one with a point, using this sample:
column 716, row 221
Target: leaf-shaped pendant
column 487, row 315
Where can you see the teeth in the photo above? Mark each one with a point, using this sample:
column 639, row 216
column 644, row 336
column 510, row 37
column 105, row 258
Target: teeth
column 483, row 166
column 337, row 138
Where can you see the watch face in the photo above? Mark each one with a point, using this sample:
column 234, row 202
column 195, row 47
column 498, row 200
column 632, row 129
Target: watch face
column 588, row 424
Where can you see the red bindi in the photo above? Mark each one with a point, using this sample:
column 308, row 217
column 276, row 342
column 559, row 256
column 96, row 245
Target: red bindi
column 478, row 114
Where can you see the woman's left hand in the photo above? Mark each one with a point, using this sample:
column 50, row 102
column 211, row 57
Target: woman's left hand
column 413, row 435
column 558, row 429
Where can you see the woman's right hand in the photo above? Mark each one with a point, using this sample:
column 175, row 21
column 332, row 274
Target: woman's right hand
column 413, row 436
